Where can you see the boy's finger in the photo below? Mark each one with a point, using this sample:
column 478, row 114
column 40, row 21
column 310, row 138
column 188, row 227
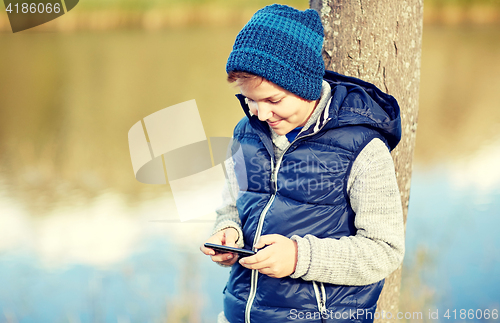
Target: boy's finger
column 256, row 265
column 266, row 271
column 266, row 240
column 222, row 257
column 259, row 257
column 207, row 251
column 229, row 262
column 247, row 261
column 230, row 236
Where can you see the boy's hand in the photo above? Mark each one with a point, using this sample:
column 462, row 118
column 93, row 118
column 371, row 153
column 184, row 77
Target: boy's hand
column 277, row 260
column 226, row 237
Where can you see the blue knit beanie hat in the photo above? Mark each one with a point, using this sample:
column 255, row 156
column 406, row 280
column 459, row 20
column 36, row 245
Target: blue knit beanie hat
column 282, row 45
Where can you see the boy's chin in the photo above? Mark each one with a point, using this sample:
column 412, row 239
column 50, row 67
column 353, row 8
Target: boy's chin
column 282, row 132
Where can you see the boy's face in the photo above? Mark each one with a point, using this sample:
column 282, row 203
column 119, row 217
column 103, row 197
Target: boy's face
column 281, row 109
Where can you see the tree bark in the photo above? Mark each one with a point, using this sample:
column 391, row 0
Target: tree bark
column 380, row 42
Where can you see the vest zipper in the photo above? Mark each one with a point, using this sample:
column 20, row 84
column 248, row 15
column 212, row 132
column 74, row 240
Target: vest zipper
column 320, row 298
column 274, row 183
column 255, row 274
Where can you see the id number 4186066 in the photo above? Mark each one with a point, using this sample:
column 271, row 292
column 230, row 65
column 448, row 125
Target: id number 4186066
column 471, row 314
column 34, row 8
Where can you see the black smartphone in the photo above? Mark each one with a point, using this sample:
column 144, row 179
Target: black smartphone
column 223, row 249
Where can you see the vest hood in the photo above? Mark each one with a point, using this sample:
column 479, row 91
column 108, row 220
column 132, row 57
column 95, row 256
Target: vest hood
column 356, row 102
column 353, row 103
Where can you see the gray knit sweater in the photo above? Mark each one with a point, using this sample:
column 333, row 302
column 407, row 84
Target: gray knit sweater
column 375, row 250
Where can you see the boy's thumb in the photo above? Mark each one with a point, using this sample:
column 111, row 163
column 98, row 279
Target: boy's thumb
column 264, row 241
column 230, row 235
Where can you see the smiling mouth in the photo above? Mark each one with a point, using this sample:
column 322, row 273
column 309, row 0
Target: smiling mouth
column 274, row 123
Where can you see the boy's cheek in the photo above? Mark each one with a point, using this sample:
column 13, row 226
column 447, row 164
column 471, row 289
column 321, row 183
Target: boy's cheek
column 253, row 110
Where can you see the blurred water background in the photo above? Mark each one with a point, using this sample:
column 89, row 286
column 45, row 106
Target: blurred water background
column 82, row 241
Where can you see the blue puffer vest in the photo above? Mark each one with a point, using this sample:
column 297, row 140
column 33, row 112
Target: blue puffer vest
column 305, row 193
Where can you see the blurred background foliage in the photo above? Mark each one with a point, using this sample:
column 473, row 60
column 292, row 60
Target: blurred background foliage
column 155, row 4
column 156, row 14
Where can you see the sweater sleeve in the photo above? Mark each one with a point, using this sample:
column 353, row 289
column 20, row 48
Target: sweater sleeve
column 227, row 213
column 377, row 248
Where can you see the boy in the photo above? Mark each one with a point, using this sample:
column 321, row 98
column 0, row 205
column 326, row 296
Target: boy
column 311, row 183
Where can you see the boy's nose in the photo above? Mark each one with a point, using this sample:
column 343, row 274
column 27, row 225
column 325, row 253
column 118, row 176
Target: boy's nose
column 264, row 112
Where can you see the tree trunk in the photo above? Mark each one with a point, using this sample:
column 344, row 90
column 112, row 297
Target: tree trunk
column 380, row 42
